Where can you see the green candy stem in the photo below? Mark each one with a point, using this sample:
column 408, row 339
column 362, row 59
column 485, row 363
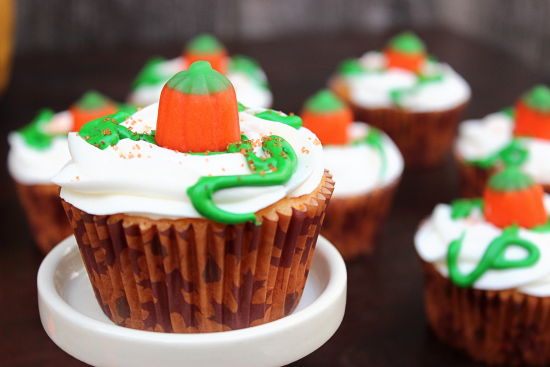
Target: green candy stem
column 92, row 100
column 204, row 44
column 200, row 79
column 538, row 98
column 324, row 101
column 511, row 178
column 271, row 115
column 282, row 162
column 493, row 258
column 407, row 43
column 461, row 208
column 34, row 134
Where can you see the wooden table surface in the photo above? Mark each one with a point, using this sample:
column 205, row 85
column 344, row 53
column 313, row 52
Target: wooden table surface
column 384, row 323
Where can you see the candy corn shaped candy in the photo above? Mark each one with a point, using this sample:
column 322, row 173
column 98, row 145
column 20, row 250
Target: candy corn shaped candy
column 533, row 113
column 513, row 197
column 207, row 48
column 328, row 117
column 91, row 106
column 406, row 51
column 198, row 111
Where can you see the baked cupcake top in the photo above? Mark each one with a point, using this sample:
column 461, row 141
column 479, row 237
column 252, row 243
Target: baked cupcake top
column 39, row 150
column 197, row 153
column 527, row 124
column 500, row 241
column 245, row 73
column 402, row 76
column 361, row 157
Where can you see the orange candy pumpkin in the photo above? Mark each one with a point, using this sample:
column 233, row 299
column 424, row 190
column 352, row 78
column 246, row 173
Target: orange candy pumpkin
column 91, row 106
column 207, row 48
column 406, row 51
column 532, row 114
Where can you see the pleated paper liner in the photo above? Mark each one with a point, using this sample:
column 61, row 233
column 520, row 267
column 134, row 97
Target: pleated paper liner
column 495, row 327
column 424, row 138
column 473, row 179
column 197, row 276
column 352, row 224
column 45, row 214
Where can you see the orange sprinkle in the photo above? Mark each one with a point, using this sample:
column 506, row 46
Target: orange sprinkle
column 77, row 177
column 206, row 159
column 139, row 155
column 223, row 169
column 316, row 142
column 148, row 156
column 130, row 155
column 179, row 162
column 242, row 165
column 115, row 148
column 139, row 108
column 137, row 146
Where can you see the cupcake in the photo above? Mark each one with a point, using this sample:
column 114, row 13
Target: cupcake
column 245, row 73
column 367, row 166
column 486, row 269
column 408, row 94
column 196, row 214
column 37, row 152
column 480, row 143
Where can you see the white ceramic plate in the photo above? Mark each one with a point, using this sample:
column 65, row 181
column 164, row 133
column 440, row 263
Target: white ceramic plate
column 73, row 320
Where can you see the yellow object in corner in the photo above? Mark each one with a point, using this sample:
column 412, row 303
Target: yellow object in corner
column 7, row 21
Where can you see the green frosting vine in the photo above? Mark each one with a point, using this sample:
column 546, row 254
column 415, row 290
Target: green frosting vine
column 34, row 134
column 199, row 79
column 538, row 98
column 92, row 100
column 106, row 131
column 461, row 208
column 204, row 44
column 375, row 139
column 249, row 67
column 511, row 178
column 350, row 67
column 493, row 159
column 281, row 163
column 493, row 258
column 150, row 74
column 408, row 43
column 542, row 228
column 241, row 107
column 271, row 115
column 324, row 101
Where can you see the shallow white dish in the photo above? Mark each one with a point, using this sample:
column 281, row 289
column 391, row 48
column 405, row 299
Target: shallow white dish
column 73, row 320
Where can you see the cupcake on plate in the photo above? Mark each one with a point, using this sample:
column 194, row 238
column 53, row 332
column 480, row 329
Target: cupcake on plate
column 196, row 214
column 367, row 166
column 245, row 73
column 37, row 152
column 480, row 143
column 408, row 94
column 486, row 264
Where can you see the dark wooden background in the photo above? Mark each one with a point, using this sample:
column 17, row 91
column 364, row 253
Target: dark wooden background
column 384, row 323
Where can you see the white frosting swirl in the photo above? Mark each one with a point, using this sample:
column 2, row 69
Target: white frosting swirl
column 435, row 235
column 31, row 166
column 139, row 178
column 479, row 139
column 249, row 92
column 358, row 168
column 373, row 88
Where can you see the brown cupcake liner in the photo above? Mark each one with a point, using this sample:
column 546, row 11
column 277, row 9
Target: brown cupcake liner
column 496, row 327
column 195, row 276
column 45, row 214
column 473, row 179
column 352, row 224
column 424, row 138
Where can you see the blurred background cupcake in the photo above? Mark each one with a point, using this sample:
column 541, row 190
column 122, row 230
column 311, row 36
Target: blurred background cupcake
column 407, row 93
column 245, row 73
column 367, row 166
column 481, row 143
column 486, row 270
column 37, row 152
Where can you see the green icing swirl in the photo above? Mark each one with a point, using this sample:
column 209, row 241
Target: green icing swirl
column 461, row 208
column 542, row 228
column 324, row 101
column 350, row 67
column 34, row 134
column 241, row 107
column 511, row 178
column 271, row 115
column 375, row 139
column 407, row 43
column 249, row 67
column 538, row 98
column 493, row 258
column 106, row 131
column 493, row 159
column 126, row 107
column 281, row 161
column 204, row 44
column 200, row 79
column 150, row 74
column 91, row 101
